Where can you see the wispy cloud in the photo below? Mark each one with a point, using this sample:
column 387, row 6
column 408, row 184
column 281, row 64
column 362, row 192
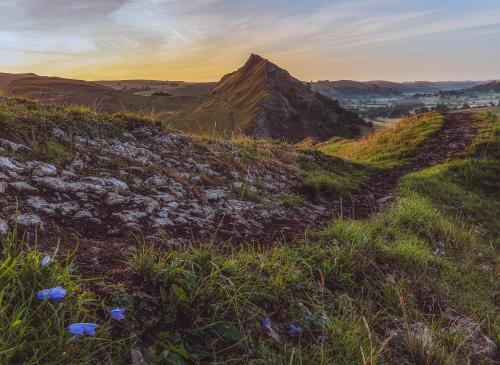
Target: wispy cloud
column 204, row 38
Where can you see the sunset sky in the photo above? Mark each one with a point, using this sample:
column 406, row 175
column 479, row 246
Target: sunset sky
column 200, row 40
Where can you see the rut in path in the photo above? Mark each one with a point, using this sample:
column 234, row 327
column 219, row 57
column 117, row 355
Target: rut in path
column 451, row 139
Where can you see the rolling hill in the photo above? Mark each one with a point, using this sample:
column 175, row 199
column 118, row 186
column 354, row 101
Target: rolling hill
column 415, row 87
column 55, row 90
column 61, row 91
column 493, row 86
column 6, row 78
column 347, row 89
column 263, row 100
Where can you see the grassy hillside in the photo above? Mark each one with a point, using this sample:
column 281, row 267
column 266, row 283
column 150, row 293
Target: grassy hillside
column 56, row 90
column 263, row 100
column 6, row 78
column 68, row 92
column 387, row 148
column 412, row 284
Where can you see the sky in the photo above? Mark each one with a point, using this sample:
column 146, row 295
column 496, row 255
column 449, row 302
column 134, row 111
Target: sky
column 201, row 40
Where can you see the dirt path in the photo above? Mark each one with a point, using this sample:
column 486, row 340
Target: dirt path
column 454, row 136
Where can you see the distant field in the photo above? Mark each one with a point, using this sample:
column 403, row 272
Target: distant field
column 150, row 87
column 494, row 110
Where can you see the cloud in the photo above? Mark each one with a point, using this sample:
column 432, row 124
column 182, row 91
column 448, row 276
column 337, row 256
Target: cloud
column 205, row 38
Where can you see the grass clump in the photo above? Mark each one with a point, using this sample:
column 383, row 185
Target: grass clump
column 293, row 201
column 34, row 331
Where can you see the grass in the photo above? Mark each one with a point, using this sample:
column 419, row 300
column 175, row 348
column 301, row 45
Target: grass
column 346, row 165
column 387, row 148
column 35, row 332
column 346, row 287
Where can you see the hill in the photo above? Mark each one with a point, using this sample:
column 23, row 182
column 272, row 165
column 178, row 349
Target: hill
column 56, row 90
column 492, row 86
column 61, row 91
column 6, row 78
column 347, row 89
column 415, row 87
column 156, row 87
column 263, row 100
column 184, row 250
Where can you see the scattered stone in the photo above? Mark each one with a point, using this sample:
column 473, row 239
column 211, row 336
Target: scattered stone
column 44, row 169
column 83, row 215
column 162, row 222
column 113, row 199
column 53, row 183
column 4, row 227
column 3, row 187
column 385, row 199
column 14, row 147
column 6, row 164
column 22, row 186
column 476, row 341
column 30, row 221
column 215, row 194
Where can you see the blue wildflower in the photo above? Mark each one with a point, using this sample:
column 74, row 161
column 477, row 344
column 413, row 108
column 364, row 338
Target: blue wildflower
column 54, row 294
column 46, row 260
column 266, row 323
column 80, row 329
column 294, row 329
column 118, row 314
column 30, row 236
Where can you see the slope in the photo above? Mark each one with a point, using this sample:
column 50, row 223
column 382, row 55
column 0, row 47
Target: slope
column 263, row 100
column 55, row 90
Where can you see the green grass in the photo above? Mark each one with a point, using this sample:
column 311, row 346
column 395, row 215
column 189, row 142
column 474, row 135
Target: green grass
column 387, row 148
column 34, row 331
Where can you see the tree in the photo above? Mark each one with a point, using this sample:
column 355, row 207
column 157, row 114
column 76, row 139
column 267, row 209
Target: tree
column 442, row 108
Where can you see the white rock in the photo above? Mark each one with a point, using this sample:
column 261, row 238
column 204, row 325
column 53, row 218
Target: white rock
column 41, row 205
column 130, row 216
column 7, row 164
column 83, row 214
column 22, row 186
column 30, row 220
column 116, row 185
column 173, row 205
column 113, row 199
column 162, row 222
column 149, row 204
column 3, row 187
column 58, row 133
column 53, row 183
column 66, row 208
column 14, row 147
column 4, row 227
column 44, row 169
column 215, row 194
